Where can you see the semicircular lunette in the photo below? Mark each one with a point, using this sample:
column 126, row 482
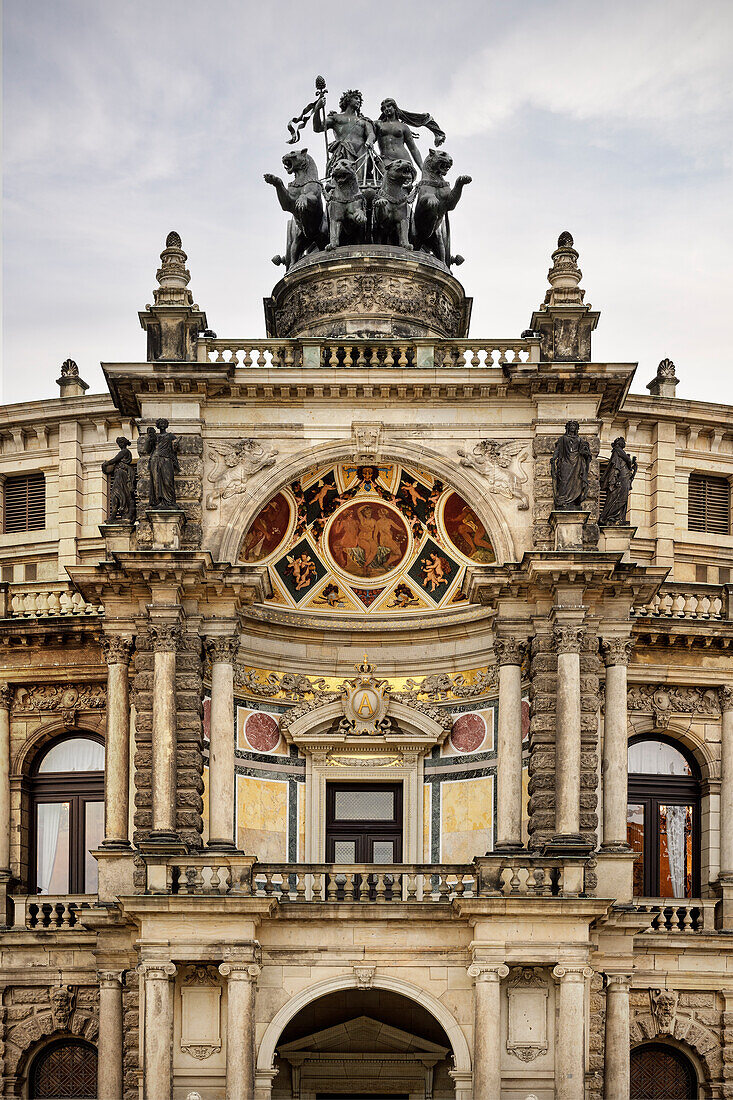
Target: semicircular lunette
column 353, row 538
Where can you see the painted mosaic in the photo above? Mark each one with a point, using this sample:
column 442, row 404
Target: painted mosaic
column 360, row 538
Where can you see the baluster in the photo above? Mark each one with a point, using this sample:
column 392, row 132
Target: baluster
column 348, row 361
column 361, row 358
column 41, row 603
column 331, row 888
column 448, row 356
column 515, row 881
column 275, row 356
column 716, row 608
column 300, row 886
column 220, row 355
column 374, row 357
column 68, row 914
column 673, row 920
column 690, row 606
column 402, row 361
column 261, row 358
column 704, row 607
column 388, row 356
column 412, row 886
column 54, row 604
column 350, row 886
column 475, row 358
column 214, row 881
column 381, row 893
column 502, row 355
column 247, row 358
column 687, row 919
column 317, row 885
column 334, row 359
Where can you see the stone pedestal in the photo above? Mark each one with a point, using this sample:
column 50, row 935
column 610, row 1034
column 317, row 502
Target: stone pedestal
column 617, row 540
column 117, row 536
column 567, row 529
column 167, row 525
column 368, row 291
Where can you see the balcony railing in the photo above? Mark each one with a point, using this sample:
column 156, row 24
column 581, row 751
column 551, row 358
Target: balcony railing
column 46, row 600
column 42, row 912
column 368, row 354
column 699, row 602
column 677, row 914
column 329, row 883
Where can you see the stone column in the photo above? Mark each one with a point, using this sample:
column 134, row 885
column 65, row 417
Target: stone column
column 221, row 742
column 117, row 652
column 6, row 699
column 616, row 653
column 241, row 988
column 616, row 1077
column 568, row 642
column 487, row 1038
column 109, row 1085
column 725, row 695
column 165, row 642
column 158, row 1046
column 509, row 653
column 570, row 1043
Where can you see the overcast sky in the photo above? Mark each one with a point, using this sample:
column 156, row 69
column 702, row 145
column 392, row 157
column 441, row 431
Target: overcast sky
column 125, row 120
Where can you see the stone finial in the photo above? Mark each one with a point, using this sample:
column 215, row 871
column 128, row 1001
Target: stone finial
column 174, row 321
column 664, row 384
column 565, row 321
column 69, row 381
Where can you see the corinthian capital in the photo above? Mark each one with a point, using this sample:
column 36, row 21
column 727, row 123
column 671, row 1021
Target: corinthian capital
column 616, row 651
column 165, row 636
column 568, row 639
column 725, row 695
column 222, row 649
column 509, row 651
column 6, row 696
column 117, row 649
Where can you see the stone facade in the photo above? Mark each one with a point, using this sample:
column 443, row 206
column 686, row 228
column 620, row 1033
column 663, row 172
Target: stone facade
column 366, row 585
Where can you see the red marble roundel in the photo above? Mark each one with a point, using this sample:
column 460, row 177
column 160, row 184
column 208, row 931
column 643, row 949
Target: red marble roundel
column 261, row 730
column 468, row 732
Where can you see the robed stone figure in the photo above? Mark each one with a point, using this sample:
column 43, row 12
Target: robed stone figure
column 122, row 486
column 569, row 467
column 617, row 479
column 163, row 466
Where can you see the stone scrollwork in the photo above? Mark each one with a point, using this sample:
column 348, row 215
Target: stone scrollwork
column 440, row 685
column 663, row 701
column 502, row 464
column 68, row 698
column 233, row 464
column 364, row 976
column 289, row 685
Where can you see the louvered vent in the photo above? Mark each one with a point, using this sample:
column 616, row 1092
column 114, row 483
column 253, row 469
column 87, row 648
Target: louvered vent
column 25, row 503
column 708, row 504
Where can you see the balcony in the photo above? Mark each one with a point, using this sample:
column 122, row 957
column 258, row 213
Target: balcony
column 670, row 915
column 696, row 602
column 45, row 600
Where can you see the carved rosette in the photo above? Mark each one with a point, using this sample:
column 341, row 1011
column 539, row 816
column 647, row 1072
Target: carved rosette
column 567, row 639
column 509, row 651
column 617, row 651
column 222, row 650
column 117, row 649
column 166, row 637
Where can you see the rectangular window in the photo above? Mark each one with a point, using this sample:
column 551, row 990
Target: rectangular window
column 24, row 501
column 708, row 504
column 52, row 847
column 635, row 829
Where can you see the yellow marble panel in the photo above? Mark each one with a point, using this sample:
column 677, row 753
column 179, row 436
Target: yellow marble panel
column 262, row 817
column 466, row 813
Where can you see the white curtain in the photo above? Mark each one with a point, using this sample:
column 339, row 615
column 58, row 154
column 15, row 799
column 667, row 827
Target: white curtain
column 676, row 819
column 51, row 815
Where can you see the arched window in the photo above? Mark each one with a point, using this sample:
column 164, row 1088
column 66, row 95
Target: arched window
column 67, row 815
column 661, row 1072
column 663, row 818
column 65, row 1070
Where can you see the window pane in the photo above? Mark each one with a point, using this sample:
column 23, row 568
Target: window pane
column 656, row 758
column 635, row 836
column 94, row 823
column 78, row 754
column 344, row 851
column 675, row 851
column 361, row 805
column 52, row 848
column 383, row 851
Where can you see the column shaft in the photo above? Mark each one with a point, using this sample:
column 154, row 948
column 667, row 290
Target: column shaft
column 164, row 730
column 5, row 701
column 241, row 988
column 221, row 744
column 158, row 1050
column 570, row 1045
column 509, row 758
column 487, row 1030
column 117, row 749
column 615, row 743
column 726, row 785
column 617, row 1081
column 110, row 1081
column 567, row 745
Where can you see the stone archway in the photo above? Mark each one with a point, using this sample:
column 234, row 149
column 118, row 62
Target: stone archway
column 265, row 1065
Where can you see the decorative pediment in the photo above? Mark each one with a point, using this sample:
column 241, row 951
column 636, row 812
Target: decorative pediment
column 362, row 1035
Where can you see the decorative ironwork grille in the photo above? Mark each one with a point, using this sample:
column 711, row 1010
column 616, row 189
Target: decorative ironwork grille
column 65, row 1071
column 659, row 1072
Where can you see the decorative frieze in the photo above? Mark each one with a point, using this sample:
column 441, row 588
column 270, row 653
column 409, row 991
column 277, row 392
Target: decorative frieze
column 67, row 698
column 502, row 465
column 663, row 702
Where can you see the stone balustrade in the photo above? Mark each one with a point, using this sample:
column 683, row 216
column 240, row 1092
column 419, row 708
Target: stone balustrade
column 678, row 915
column 52, row 599
column 708, row 602
column 362, row 354
column 47, row 913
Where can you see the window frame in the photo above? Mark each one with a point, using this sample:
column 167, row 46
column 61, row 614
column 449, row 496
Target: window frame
column 78, row 788
column 8, row 482
column 707, row 481
column 363, row 832
column 651, row 791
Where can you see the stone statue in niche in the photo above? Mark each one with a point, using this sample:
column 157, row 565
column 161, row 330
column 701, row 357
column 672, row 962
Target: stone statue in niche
column 303, row 198
column 434, row 199
column 569, row 467
column 391, row 208
column 347, row 216
column 617, row 480
column 122, row 489
column 163, row 466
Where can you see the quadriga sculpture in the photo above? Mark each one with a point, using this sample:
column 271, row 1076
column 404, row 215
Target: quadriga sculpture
column 347, row 217
column 391, row 207
column 303, row 198
column 435, row 198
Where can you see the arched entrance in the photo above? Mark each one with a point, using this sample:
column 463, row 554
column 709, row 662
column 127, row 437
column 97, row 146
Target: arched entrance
column 340, row 1040
column 662, row 1072
column 64, row 1070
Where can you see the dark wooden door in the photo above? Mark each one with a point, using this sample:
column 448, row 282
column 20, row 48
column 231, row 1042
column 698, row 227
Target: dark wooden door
column 659, row 1072
column 66, row 1070
column 364, row 823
